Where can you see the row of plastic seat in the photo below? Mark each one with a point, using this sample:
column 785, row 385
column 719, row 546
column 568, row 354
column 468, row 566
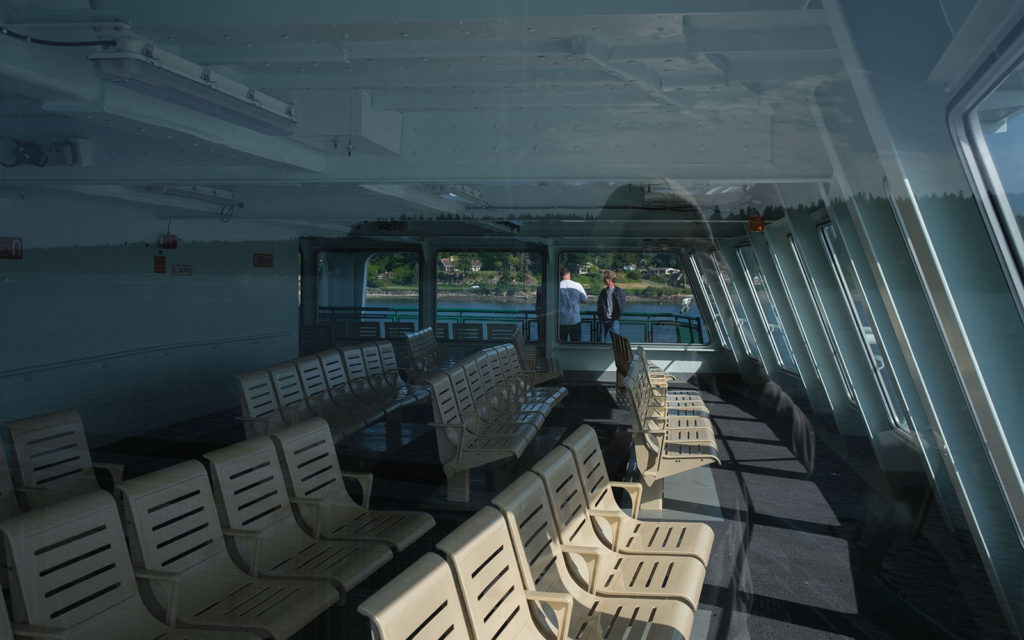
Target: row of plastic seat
column 350, row 389
column 539, row 369
column 425, row 354
column 257, row 548
column 553, row 537
column 672, row 431
column 484, row 410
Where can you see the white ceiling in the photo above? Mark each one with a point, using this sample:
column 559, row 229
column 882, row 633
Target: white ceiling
column 544, row 109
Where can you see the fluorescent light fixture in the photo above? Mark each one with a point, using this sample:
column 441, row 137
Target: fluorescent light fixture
column 210, row 195
column 462, row 194
column 141, row 66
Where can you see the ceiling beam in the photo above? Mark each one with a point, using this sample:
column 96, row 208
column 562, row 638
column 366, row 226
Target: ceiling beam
column 239, row 13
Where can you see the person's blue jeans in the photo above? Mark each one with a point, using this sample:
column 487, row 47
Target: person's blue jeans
column 605, row 328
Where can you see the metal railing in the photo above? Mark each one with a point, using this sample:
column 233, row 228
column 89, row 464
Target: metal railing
column 664, row 328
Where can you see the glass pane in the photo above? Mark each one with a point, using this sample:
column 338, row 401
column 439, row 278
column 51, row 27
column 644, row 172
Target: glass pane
column 485, row 295
column 368, row 295
column 766, row 308
column 705, row 288
column 651, row 298
column 854, row 297
column 819, row 312
column 749, row 344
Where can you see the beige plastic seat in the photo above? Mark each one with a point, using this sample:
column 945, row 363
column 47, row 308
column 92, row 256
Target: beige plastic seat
column 487, row 415
column 336, row 377
column 459, row 445
column 392, row 375
column 290, row 395
column 261, row 412
column 610, row 572
column 175, row 538
column 539, row 370
column 344, row 420
column 497, row 603
column 256, row 513
column 52, row 460
column 71, row 577
column 514, row 373
column 651, row 415
column 527, row 530
column 421, row 603
column 670, row 446
column 361, row 385
column 625, row 532
column 316, row 483
column 659, row 380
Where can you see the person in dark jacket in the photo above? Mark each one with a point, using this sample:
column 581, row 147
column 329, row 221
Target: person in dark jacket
column 610, row 304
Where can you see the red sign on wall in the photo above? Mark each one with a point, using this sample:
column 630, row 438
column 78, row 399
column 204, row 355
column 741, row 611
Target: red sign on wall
column 263, row 260
column 159, row 264
column 10, row 248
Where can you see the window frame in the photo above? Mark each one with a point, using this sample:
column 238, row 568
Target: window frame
column 718, row 321
column 718, row 260
column 754, row 288
column 894, row 406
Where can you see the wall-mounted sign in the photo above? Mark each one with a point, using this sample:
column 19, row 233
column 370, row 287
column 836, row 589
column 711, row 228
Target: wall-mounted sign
column 159, row 264
column 263, row 260
column 10, row 248
column 181, row 269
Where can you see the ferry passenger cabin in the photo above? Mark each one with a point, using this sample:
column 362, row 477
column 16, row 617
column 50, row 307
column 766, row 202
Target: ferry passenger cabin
column 813, row 207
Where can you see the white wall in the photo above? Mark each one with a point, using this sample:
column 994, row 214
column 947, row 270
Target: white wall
column 94, row 328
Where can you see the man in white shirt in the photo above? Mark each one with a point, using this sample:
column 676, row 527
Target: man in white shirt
column 570, row 295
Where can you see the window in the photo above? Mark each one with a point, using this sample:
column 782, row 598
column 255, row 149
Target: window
column 659, row 302
column 994, row 127
column 733, row 299
column 368, row 295
column 485, row 295
column 705, row 290
column 853, row 295
column 766, row 308
column 820, row 313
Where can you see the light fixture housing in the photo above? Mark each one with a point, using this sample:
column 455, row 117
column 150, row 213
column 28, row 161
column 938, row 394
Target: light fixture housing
column 466, row 196
column 141, row 66
column 220, row 197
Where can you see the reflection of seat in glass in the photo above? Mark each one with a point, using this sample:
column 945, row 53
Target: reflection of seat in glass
column 441, row 331
column 393, row 330
column 468, row 331
column 368, row 330
column 500, row 331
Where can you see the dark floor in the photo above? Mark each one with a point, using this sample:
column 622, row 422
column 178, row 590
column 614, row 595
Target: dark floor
column 799, row 551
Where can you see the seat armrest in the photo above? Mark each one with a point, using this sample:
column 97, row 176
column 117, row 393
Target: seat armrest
column 592, row 557
column 115, row 469
column 561, row 603
column 256, row 537
column 633, row 489
column 316, row 504
column 365, row 481
column 615, row 517
column 174, row 579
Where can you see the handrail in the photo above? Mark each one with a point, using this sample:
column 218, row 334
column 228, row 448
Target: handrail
column 688, row 330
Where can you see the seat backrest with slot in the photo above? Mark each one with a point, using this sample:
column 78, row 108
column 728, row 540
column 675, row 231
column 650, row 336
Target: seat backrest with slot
column 50, row 452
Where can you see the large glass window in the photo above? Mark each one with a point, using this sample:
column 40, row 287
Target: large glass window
column 766, row 308
column 854, row 297
column 996, row 128
column 705, row 290
column 725, row 277
column 819, row 312
column 367, row 295
column 485, row 295
column 656, row 303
